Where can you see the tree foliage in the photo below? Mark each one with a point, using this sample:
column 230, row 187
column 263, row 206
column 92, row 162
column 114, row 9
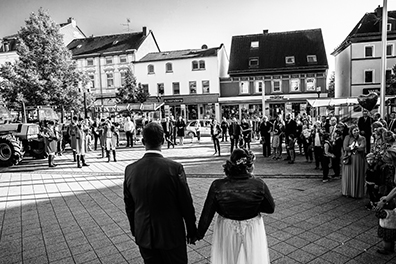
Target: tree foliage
column 131, row 92
column 44, row 73
column 331, row 85
column 391, row 83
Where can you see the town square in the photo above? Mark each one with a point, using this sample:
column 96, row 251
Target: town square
column 175, row 132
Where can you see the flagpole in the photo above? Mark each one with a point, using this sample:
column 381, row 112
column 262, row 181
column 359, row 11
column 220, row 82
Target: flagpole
column 383, row 59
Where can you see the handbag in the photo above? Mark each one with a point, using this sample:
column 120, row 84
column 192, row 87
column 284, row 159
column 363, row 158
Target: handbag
column 346, row 160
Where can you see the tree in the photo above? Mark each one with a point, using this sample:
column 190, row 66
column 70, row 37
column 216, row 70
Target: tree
column 131, row 92
column 391, row 83
column 44, row 73
column 331, row 85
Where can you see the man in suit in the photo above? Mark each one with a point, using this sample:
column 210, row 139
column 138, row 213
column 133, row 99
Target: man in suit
column 234, row 131
column 158, row 203
column 290, row 128
column 168, row 128
column 265, row 132
column 364, row 125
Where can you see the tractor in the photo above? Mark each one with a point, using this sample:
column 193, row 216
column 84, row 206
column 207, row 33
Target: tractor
column 18, row 139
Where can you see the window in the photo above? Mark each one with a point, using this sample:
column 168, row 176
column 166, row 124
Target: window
column 198, row 65
column 160, row 89
column 389, row 27
column 389, row 50
column 205, row 87
column 258, row 86
column 193, row 87
column 388, row 75
column 369, row 51
column 290, row 60
column 145, row 88
column 176, row 88
column 311, row 59
column 150, row 69
column 195, row 65
column 109, row 60
column 254, row 44
column 123, row 59
column 92, row 80
column 295, row 85
column 276, row 86
column 168, row 67
column 253, row 63
column 202, row 64
column 110, row 79
column 90, row 62
column 310, row 84
column 368, row 76
column 123, row 74
column 244, row 87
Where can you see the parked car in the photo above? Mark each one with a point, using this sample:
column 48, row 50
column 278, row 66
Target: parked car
column 191, row 131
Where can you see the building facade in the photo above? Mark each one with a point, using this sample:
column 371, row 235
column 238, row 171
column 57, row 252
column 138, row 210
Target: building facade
column 277, row 71
column 8, row 44
column 358, row 57
column 187, row 82
column 105, row 60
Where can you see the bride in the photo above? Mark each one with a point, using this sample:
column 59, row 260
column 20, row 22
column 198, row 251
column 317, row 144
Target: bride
column 239, row 198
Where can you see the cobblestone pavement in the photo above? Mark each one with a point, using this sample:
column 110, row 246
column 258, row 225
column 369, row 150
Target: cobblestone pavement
column 70, row 215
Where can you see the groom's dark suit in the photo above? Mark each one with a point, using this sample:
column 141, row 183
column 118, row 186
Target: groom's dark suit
column 157, row 200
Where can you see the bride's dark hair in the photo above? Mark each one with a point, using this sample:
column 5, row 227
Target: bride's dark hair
column 240, row 162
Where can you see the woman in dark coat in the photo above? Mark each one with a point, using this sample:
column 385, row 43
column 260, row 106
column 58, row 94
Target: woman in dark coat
column 50, row 140
column 180, row 127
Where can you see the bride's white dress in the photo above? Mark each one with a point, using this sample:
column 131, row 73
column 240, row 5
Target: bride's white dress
column 239, row 242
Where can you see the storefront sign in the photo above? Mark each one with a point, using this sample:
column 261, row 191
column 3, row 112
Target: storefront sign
column 310, row 84
column 277, row 97
column 295, row 85
column 173, row 100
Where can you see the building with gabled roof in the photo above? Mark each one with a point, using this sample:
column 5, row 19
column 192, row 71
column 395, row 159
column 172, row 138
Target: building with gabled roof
column 8, row 44
column 187, row 81
column 358, row 57
column 283, row 69
column 106, row 58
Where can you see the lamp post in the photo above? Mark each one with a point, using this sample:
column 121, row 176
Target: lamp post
column 318, row 91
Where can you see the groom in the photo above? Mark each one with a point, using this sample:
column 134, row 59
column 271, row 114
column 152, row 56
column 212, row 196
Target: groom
column 158, row 203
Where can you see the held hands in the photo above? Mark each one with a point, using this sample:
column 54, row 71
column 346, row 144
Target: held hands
column 191, row 240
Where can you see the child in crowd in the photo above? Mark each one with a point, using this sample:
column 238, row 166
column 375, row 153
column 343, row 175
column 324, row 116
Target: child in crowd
column 372, row 173
column 290, row 147
column 326, row 156
column 307, row 143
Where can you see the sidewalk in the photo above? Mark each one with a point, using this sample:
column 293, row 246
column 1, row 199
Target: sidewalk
column 70, row 215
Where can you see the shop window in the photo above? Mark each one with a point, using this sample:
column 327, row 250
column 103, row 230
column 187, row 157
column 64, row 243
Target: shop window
column 295, row 85
column 92, row 80
column 123, row 74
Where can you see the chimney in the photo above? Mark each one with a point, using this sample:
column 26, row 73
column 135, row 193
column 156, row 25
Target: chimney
column 378, row 11
column 144, row 31
column 72, row 21
column 265, row 31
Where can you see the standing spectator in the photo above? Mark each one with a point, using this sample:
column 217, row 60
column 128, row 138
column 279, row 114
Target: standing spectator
column 378, row 118
column 215, row 133
column 158, row 203
column 72, row 131
column 337, row 151
column 290, row 147
column 327, row 156
column 333, row 128
column 299, row 128
column 102, row 136
column 325, row 122
column 224, row 129
column 235, row 132
column 110, row 139
column 353, row 174
column 81, row 144
column 317, row 144
column 372, row 178
column 95, row 132
column 392, row 123
column 180, row 126
column 307, row 141
column 279, row 127
column 174, row 131
column 129, row 128
column 290, row 128
column 50, row 140
column 167, row 126
column 265, row 132
column 198, row 130
column 246, row 133
column 364, row 125
column 59, row 142
column 239, row 199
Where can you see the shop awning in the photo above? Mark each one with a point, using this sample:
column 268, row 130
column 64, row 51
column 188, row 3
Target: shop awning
column 319, row 102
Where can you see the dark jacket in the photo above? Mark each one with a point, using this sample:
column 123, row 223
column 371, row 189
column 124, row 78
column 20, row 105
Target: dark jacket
column 290, row 128
column 265, row 129
column 240, row 198
column 365, row 125
column 157, row 200
column 234, row 129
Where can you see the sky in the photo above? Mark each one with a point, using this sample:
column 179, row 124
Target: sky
column 188, row 24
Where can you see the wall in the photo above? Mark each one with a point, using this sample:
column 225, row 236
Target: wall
column 147, row 46
column 342, row 73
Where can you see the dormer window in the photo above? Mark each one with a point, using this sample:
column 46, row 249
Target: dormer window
column 311, row 59
column 254, row 45
column 253, row 63
column 290, row 60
